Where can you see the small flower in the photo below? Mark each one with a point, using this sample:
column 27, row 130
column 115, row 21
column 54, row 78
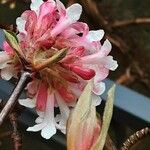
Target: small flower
column 62, row 54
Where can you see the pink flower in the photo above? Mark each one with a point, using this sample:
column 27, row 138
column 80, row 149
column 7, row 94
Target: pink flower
column 44, row 31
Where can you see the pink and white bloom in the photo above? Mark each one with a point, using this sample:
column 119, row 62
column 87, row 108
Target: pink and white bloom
column 43, row 31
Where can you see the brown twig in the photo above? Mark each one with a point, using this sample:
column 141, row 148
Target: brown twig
column 136, row 137
column 137, row 21
column 15, row 134
column 126, row 77
column 14, row 96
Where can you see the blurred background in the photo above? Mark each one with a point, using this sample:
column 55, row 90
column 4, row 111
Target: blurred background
column 127, row 26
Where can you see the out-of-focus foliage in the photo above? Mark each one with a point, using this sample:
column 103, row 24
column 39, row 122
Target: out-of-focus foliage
column 8, row 15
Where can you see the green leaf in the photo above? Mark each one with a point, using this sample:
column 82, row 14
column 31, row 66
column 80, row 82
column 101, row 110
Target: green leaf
column 12, row 41
column 107, row 116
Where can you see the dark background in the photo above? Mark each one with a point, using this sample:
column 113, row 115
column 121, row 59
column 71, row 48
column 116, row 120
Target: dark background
column 131, row 48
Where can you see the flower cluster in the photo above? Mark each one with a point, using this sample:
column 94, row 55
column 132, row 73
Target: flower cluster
column 44, row 31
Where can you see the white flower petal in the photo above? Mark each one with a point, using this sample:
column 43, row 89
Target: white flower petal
column 63, row 117
column 30, row 103
column 41, row 114
column 106, row 48
column 37, row 127
column 61, row 128
column 58, row 118
column 39, row 120
column 36, row 4
column 46, row 121
column 96, row 100
column 20, row 22
column 48, row 131
column 74, row 12
column 110, row 63
column 7, row 73
column 95, row 35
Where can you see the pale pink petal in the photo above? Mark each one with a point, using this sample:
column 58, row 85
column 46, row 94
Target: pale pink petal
column 40, row 118
column 45, row 8
column 49, row 130
column 30, row 103
column 20, row 22
column 99, row 88
column 47, row 122
column 96, row 100
column 106, row 48
column 72, row 15
column 36, row 4
column 64, row 110
column 101, row 73
column 81, row 27
column 31, row 19
column 109, row 63
column 74, row 12
column 95, row 35
column 37, row 127
column 21, row 37
column 75, row 89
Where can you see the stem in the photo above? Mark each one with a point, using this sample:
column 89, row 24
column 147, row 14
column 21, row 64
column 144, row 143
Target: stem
column 130, row 22
column 16, row 137
column 14, row 96
column 135, row 138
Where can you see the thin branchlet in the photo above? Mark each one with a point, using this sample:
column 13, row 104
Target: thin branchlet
column 14, row 96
